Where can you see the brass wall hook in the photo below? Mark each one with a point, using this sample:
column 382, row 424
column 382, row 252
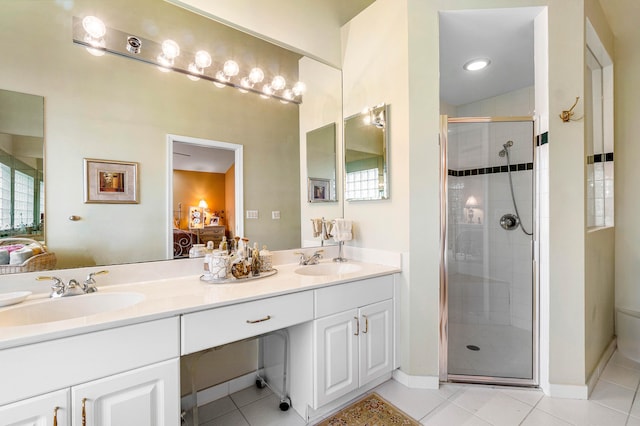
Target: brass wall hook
column 567, row 115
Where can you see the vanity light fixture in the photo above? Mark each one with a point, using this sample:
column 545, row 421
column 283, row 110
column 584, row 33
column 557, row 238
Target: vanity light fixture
column 477, row 64
column 374, row 117
column 98, row 39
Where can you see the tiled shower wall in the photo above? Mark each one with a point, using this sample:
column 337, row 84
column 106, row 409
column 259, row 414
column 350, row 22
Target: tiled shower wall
column 499, row 261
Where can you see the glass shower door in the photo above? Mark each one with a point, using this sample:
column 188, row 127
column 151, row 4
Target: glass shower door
column 489, row 265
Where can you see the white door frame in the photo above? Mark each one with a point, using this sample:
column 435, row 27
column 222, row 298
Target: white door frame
column 239, row 186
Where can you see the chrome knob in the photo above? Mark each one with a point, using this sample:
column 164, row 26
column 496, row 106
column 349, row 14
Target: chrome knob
column 509, row 222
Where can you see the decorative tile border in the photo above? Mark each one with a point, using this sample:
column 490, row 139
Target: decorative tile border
column 600, row 158
column 491, row 170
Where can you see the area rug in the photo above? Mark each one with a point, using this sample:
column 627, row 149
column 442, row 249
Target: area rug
column 371, row 410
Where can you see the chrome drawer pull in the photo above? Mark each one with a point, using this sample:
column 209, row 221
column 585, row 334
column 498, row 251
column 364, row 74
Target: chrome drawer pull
column 267, row 318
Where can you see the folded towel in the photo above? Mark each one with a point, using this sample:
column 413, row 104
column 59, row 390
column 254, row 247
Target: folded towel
column 342, row 230
column 329, row 227
column 19, row 256
column 317, row 227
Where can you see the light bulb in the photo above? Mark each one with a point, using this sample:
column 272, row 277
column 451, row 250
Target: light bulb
column 267, row 91
column 288, row 95
column 193, row 69
column 246, row 84
column 256, row 75
column 94, row 26
column 203, row 59
column 164, row 61
column 299, row 88
column 95, row 52
column 221, row 77
column 231, row 68
column 278, row 82
column 170, row 49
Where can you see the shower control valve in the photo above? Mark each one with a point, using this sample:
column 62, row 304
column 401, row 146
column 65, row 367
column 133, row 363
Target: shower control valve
column 509, row 222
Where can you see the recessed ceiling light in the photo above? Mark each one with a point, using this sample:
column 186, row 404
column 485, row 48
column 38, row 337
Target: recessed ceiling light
column 477, row 64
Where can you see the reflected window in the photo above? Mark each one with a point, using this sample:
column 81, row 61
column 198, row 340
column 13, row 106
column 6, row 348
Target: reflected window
column 5, row 197
column 23, row 200
column 363, row 185
column 20, row 205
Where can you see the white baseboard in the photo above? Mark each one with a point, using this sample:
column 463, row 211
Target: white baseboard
column 604, row 359
column 416, row 382
column 583, row 391
column 569, row 391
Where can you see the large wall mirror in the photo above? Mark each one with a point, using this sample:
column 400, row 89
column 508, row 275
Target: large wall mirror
column 321, row 164
column 21, row 165
column 366, row 155
column 113, row 108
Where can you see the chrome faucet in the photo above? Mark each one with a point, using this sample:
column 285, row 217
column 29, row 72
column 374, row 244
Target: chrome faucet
column 310, row 260
column 89, row 285
column 73, row 287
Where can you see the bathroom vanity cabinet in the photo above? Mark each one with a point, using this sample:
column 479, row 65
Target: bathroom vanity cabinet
column 341, row 344
column 352, row 337
column 144, row 396
column 118, row 377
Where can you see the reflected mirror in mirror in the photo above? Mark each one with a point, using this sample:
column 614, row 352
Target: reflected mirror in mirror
column 21, row 161
column 366, row 162
column 321, row 164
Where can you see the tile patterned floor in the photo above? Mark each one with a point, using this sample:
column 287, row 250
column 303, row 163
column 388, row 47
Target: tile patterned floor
column 614, row 402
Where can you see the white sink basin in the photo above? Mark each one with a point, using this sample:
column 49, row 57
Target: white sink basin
column 65, row 308
column 324, row 269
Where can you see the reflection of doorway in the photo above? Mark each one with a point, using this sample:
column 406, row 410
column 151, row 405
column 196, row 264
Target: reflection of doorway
column 204, row 174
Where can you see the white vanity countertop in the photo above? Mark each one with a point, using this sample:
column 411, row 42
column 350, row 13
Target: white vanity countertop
column 175, row 296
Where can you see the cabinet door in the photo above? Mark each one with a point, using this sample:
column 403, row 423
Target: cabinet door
column 41, row 410
column 147, row 396
column 375, row 340
column 336, row 368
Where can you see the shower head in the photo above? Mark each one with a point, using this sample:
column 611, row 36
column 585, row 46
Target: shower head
column 506, row 147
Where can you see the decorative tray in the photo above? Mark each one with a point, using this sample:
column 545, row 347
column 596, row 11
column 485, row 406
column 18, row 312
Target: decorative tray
column 234, row 280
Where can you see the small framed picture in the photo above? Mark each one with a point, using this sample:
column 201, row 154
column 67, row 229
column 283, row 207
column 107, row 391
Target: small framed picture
column 196, row 217
column 107, row 181
column 319, row 190
column 215, row 220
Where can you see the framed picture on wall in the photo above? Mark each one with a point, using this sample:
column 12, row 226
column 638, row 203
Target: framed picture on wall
column 196, row 217
column 107, row 181
column 319, row 190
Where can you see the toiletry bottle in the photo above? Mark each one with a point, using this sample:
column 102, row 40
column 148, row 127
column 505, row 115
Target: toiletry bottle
column 266, row 259
column 223, row 243
column 255, row 261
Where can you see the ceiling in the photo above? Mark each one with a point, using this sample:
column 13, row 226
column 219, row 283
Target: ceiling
column 503, row 35
column 198, row 158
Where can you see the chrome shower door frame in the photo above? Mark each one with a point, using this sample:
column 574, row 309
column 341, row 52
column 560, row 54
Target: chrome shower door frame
column 444, row 289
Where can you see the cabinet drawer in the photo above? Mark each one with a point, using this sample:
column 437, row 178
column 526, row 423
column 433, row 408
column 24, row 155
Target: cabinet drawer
column 215, row 327
column 217, row 231
column 339, row 298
